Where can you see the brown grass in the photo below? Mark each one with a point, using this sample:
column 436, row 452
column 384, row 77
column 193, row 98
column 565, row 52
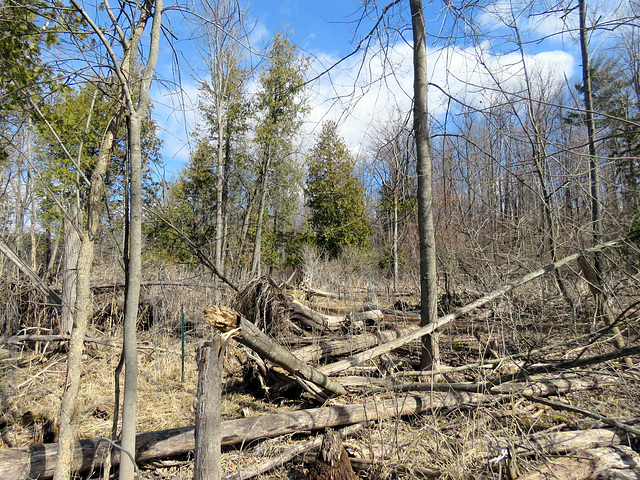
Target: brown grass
column 454, row 443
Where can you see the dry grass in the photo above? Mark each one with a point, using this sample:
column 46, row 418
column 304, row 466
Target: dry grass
column 453, row 443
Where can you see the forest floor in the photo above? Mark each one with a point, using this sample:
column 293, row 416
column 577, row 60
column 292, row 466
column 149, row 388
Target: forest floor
column 453, row 443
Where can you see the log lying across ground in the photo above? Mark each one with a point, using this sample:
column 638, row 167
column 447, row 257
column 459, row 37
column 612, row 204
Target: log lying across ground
column 353, row 343
column 38, row 462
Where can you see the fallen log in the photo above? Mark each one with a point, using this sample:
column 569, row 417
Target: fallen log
column 325, row 349
column 315, row 320
column 571, row 408
column 38, row 461
column 612, row 462
column 225, row 319
column 309, row 291
column 433, row 326
column 541, row 387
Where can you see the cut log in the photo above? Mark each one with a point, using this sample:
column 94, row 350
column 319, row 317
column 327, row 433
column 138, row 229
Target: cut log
column 433, row 326
column 38, row 462
column 248, row 334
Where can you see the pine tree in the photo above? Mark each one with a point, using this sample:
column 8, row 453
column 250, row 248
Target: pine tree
column 335, row 196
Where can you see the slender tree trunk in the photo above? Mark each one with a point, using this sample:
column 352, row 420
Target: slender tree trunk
column 594, row 169
column 430, row 356
column 257, row 246
column 135, row 117
column 134, row 278
column 74, row 358
column 394, row 241
column 220, row 194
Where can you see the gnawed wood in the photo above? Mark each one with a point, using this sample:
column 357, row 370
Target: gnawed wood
column 332, row 462
column 248, row 334
column 38, row 461
column 208, row 428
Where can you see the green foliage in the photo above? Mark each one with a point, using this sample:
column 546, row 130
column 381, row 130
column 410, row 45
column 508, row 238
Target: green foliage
column 79, row 119
column 27, row 27
column 281, row 84
column 334, row 195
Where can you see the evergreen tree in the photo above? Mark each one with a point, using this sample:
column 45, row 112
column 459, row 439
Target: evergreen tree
column 280, row 104
column 335, row 196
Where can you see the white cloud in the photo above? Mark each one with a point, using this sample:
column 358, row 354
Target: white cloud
column 361, row 102
column 362, row 92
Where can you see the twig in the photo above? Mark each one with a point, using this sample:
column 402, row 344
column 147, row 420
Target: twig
column 570, row 408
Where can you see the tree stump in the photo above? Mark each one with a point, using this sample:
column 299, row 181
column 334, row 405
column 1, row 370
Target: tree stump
column 332, row 462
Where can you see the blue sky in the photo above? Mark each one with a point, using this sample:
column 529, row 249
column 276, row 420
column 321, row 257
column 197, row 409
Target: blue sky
column 362, row 92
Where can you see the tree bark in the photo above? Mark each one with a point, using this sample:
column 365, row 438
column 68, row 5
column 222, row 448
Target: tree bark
column 71, row 227
column 430, row 356
column 325, row 349
column 594, row 168
column 135, row 115
column 83, row 305
column 208, row 421
column 256, row 259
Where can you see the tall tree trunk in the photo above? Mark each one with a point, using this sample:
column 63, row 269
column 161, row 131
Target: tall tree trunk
column 256, row 259
column 134, row 278
column 394, row 240
column 71, row 224
column 430, row 356
column 594, row 169
column 136, row 114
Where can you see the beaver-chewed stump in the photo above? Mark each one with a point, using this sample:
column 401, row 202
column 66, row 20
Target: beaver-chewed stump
column 332, row 462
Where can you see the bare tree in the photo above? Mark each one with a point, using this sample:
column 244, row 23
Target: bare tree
column 428, row 272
